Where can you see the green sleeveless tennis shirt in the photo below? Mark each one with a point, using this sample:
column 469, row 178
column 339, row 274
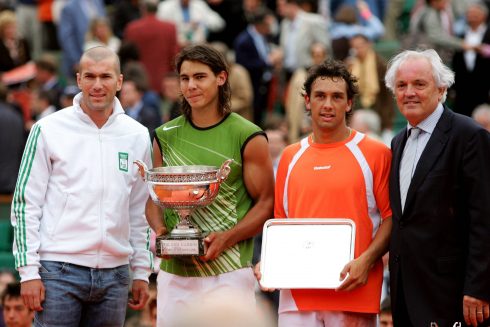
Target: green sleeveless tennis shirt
column 182, row 143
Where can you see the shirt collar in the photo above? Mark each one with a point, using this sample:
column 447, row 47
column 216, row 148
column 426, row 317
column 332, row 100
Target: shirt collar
column 429, row 124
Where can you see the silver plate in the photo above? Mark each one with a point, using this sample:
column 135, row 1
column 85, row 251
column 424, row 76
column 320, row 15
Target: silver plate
column 306, row 252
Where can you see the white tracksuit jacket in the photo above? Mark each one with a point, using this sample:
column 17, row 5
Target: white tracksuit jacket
column 79, row 197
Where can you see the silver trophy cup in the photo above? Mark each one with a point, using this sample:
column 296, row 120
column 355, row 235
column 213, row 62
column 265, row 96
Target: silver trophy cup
column 183, row 188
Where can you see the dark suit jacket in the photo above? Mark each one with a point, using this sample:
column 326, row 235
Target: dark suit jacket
column 7, row 63
column 248, row 56
column 472, row 86
column 149, row 118
column 440, row 245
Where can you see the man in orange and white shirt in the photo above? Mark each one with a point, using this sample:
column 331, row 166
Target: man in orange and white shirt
column 340, row 173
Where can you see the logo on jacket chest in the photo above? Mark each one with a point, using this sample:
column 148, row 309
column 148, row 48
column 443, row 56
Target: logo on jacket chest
column 123, row 161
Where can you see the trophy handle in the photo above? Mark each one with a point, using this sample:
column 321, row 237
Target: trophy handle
column 142, row 168
column 224, row 170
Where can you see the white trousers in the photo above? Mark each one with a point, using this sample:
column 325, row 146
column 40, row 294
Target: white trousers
column 178, row 296
column 326, row 318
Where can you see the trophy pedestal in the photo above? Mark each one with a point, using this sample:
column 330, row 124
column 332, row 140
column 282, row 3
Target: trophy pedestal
column 181, row 244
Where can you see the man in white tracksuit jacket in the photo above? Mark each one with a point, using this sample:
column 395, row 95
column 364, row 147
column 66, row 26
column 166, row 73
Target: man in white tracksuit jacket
column 78, row 207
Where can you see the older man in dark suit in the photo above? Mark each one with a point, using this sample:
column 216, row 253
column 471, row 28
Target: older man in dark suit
column 440, row 195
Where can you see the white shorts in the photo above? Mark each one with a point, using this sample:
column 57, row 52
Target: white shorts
column 326, row 318
column 178, row 294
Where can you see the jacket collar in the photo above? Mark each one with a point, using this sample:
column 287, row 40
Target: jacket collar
column 117, row 110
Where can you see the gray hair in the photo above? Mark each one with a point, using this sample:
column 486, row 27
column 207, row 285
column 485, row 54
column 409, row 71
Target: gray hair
column 443, row 75
column 482, row 110
column 370, row 118
column 480, row 5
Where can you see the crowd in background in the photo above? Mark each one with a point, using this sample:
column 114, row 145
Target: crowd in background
column 269, row 46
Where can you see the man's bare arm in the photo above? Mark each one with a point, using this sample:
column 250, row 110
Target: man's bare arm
column 259, row 180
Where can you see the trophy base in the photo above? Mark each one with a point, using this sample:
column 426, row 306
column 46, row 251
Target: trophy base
column 171, row 245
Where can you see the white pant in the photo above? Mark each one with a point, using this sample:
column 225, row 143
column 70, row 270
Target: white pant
column 326, row 318
column 179, row 296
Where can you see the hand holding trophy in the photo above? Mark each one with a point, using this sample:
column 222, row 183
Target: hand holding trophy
column 183, row 188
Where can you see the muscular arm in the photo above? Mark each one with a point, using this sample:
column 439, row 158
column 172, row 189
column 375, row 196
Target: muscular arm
column 154, row 214
column 359, row 268
column 259, row 181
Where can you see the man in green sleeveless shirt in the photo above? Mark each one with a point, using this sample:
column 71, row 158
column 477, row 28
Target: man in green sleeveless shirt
column 207, row 134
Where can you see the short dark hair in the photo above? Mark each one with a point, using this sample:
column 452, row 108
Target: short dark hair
column 47, row 63
column 150, row 6
column 259, row 16
column 12, row 291
column 136, row 72
column 212, row 58
column 333, row 69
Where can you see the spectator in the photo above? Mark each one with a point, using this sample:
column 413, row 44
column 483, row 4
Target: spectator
column 135, row 71
column 299, row 122
column 366, row 121
column 346, row 25
column 131, row 96
column 100, row 34
column 385, row 317
column 12, row 136
column 15, row 312
column 474, row 64
column 66, row 97
column 193, row 18
column 278, row 140
column 299, row 30
column 156, row 42
column 369, row 68
column 41, row 104
column 47, row 78
column 73, row 25
column 397, row 18
column 232, row 13
column 481, row 115
column 48, row 27
column 240, row 83
column 30, row 28
column 14, row 50
column 6, row 277
column 254, row 53
column 377, row 6
column 125, row 11
column 170, row 95
column 431, row 27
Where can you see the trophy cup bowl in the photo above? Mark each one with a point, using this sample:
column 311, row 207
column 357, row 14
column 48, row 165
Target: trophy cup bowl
column 183, row 189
